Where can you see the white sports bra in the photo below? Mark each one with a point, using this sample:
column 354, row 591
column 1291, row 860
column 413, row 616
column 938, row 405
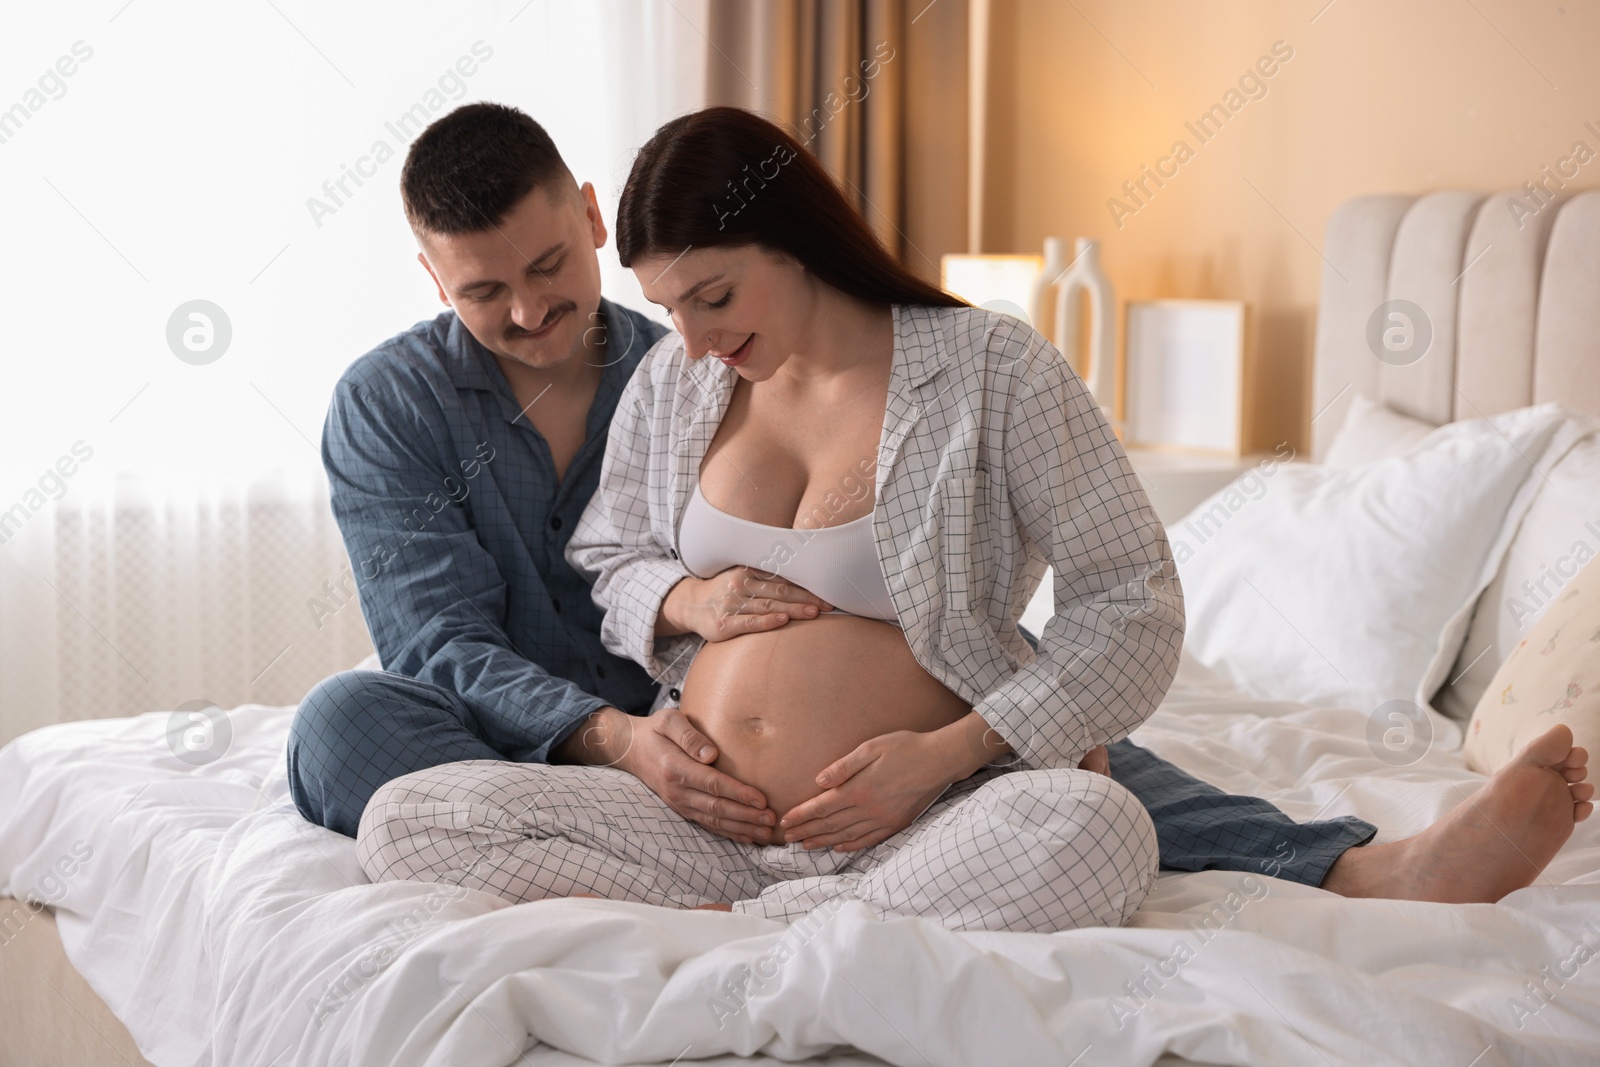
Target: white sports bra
column 837, row 563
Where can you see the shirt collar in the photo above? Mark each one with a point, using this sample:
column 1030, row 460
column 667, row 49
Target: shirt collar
column 919, row 342
column 468, row 363
column 625, row 345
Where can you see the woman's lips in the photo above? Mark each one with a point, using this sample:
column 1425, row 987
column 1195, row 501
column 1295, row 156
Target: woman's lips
column 740, row 354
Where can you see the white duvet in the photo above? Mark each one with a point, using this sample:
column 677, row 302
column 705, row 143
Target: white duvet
column 225, row 930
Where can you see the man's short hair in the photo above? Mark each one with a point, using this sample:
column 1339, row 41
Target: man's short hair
column 471, row 167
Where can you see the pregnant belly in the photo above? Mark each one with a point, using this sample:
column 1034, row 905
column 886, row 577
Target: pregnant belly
column 783, row 704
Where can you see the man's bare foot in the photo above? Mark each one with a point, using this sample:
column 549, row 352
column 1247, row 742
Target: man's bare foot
column 1495, row 842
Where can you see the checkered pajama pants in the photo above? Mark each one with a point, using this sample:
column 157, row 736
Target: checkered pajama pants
column 1037, row 850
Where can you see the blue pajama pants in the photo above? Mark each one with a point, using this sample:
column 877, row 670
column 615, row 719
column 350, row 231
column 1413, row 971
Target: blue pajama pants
column 360, row 729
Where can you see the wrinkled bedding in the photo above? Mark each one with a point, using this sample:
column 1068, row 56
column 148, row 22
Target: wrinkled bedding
column 226, row 931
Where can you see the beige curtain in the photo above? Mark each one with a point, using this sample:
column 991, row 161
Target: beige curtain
column 875, row 88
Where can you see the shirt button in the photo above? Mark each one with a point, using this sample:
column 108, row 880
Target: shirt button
column 672, row 552
column 555, row 522
column 674, row 694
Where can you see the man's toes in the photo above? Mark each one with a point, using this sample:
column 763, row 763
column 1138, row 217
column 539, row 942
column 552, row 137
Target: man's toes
column 1577, row 760
column 1574, row 774
column 1550, row 749
column 1582, row 792
column 1582, row 811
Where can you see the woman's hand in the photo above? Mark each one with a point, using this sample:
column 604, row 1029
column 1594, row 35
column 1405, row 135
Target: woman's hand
column 740, row 600
column 873, row 793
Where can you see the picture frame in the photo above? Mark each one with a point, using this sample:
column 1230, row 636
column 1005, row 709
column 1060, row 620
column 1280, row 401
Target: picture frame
column 1183, row 365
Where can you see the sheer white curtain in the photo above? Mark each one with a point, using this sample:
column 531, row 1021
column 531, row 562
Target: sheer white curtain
column 164, row 530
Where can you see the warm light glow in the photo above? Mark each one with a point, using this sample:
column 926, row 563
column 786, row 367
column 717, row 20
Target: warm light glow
column 1000, row 283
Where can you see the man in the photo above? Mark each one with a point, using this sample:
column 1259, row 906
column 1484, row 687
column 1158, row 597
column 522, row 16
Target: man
column 461, row 454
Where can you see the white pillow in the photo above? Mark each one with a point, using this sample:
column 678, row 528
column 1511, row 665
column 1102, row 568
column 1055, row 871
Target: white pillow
column 1372, row 432
column 1353, row 587
column 1552, row 676
column 1558, row 535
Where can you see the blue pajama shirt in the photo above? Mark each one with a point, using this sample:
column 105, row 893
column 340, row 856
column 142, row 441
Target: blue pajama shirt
column 456, row 525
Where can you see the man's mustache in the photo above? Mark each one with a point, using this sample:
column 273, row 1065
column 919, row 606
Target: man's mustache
column 550, row 316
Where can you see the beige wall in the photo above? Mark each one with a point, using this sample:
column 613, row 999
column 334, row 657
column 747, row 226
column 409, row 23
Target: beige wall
column 1378, row 97
column 936, row 134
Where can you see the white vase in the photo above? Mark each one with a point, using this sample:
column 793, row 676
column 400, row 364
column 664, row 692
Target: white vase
column 1055, row 265
column 1071, row 282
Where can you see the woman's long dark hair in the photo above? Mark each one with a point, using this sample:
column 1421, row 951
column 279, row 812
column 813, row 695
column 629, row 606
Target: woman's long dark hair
column 725, row 176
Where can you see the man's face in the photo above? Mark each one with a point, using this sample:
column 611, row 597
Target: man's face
column 527, row 288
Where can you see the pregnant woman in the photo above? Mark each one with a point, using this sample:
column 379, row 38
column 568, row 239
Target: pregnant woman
column 825, row 504
column 909, row 466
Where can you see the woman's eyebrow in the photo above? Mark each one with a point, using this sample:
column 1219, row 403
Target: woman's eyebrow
column 699, row 286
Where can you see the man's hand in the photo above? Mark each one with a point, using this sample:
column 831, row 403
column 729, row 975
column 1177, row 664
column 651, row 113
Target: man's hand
column 740, row 600
column 667, row 753
column 873, row 793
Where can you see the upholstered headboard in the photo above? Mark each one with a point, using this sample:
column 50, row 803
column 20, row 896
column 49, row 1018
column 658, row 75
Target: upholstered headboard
column 1510, row 296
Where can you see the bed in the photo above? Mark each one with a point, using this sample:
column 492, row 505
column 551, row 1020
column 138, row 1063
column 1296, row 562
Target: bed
column 207, row 924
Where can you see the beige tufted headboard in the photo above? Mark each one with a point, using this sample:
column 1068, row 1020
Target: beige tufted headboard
column 1509, row 294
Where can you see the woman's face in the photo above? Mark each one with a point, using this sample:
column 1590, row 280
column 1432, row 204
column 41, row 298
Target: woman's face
column 746, row 306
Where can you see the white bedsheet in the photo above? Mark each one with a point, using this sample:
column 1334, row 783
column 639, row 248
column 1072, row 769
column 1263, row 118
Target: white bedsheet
column 225, row 930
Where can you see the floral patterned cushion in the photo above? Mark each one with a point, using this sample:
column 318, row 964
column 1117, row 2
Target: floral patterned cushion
column 1553, row 675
